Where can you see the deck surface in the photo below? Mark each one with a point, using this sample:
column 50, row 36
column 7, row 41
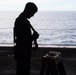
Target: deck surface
column 8, row 64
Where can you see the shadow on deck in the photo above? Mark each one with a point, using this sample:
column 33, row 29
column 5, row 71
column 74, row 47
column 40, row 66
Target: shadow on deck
column 8, row 64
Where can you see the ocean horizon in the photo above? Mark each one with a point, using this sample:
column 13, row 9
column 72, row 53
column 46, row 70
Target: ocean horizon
column 54, row 27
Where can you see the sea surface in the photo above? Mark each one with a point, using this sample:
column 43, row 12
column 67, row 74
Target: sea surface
column 54, row 27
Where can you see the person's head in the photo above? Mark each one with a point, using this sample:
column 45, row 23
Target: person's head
column 30, row 9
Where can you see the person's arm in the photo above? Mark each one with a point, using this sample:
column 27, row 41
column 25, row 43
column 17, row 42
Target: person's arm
column 35, row 36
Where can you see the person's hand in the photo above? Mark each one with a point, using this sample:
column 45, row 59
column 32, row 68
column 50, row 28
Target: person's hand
column 35, row 35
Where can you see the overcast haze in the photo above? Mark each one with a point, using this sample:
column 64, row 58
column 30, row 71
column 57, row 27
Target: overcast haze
column 43, row 5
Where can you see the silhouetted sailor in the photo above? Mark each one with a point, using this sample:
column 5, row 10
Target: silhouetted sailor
column 23, row 38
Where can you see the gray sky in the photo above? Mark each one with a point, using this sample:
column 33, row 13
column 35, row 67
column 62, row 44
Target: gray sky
column 43, row 5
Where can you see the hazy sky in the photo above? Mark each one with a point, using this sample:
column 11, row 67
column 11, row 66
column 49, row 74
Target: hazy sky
column 43, row 5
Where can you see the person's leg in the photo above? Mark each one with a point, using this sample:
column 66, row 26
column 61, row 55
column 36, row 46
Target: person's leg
column 18, row 68
column 23, row 67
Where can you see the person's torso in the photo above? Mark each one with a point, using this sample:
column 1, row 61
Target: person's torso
column 23, row 31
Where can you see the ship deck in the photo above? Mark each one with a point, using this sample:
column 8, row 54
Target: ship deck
column 8, row 64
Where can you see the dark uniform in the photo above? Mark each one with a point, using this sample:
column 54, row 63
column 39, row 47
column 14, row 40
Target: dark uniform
column 22, row 52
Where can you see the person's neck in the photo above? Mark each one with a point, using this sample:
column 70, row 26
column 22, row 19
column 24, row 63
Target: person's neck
column 25, row 15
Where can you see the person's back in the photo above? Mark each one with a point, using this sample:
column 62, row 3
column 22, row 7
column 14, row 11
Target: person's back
column 22, row 30
column 23, row 35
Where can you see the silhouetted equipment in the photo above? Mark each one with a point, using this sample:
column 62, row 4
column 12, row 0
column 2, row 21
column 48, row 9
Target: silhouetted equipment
column 52, row 64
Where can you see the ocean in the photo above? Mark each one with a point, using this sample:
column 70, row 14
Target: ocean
column 54, row 27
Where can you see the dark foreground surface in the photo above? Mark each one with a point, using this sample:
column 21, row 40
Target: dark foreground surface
column 8, row 64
